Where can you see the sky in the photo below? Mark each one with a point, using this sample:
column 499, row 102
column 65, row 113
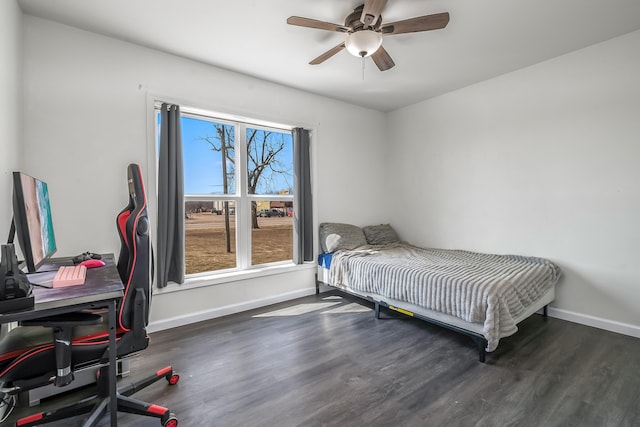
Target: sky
column 203, row 165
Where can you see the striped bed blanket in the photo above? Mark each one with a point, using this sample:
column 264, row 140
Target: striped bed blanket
column 480, row 288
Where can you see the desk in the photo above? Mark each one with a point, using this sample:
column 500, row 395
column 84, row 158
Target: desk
column 102, row 288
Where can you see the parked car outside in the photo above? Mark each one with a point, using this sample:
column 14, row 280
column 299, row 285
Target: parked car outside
column 268, row 213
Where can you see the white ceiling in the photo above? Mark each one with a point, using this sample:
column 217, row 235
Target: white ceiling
column 484, row 38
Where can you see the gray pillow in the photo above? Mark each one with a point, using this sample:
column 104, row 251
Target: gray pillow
column 335, row 236
column 380, row 234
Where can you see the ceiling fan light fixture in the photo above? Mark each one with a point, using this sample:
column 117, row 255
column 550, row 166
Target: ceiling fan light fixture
column 363, row 43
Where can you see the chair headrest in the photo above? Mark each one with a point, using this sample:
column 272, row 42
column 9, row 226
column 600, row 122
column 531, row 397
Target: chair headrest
column 137, row 194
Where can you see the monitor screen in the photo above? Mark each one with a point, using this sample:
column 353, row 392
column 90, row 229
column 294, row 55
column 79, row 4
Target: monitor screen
column 32, row 218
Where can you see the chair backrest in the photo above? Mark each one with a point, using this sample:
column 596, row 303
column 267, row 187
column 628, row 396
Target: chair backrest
column 135, row 259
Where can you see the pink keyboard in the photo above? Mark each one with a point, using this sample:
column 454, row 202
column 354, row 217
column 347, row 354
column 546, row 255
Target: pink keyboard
column 69, row 276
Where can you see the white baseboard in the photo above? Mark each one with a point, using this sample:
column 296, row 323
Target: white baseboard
column 596, row 322
column 213, row 313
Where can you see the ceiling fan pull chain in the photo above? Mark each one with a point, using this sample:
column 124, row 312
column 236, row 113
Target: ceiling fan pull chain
column 363, row 68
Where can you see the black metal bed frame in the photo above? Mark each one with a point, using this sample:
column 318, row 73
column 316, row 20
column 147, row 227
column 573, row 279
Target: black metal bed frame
column 478, row 339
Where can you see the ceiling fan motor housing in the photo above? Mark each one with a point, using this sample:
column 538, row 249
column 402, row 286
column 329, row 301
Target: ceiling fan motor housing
column 353, row 20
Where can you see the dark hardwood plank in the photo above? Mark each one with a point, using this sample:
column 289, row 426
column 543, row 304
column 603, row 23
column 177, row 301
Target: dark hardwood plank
column 325, row 360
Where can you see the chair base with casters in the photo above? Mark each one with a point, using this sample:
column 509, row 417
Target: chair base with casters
column 83, row 378
column 97, row 404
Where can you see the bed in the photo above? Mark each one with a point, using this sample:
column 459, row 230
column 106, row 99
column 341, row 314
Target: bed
column 483, row 296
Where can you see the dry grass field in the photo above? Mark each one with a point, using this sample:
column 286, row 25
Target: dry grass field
column 205, row 242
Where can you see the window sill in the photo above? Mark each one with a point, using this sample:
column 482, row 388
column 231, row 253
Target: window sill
column 233, row 276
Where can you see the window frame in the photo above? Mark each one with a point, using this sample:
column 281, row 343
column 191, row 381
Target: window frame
column 241, row 198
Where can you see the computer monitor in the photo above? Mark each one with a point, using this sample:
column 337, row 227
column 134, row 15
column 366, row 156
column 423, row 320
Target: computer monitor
column 32, row 220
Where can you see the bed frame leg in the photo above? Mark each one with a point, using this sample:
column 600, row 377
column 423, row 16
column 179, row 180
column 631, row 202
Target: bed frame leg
column 482, row 345
column 317, row 285
column 376, row 309
column 544, row 310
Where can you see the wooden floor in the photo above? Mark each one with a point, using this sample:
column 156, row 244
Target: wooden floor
column 325, row 360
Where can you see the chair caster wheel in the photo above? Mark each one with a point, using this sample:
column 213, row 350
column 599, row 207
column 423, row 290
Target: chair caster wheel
column 173, row 379
column 171, row 422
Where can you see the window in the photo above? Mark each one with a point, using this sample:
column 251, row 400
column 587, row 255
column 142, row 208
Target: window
column 239, row 198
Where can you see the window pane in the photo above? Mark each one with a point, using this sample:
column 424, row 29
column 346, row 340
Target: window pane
column 210, row 236
column 272, row 232
column 204, row 145
column 269, row 162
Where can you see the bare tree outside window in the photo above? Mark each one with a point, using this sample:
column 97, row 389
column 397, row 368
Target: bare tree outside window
column 269, row 165
column 269, row 161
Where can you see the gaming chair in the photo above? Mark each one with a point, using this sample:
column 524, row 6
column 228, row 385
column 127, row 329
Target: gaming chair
column 28, row 355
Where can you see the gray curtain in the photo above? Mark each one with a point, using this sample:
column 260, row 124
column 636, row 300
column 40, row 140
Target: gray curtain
column 303, row 218
column 170, row 199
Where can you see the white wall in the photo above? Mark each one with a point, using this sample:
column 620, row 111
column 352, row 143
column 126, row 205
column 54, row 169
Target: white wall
column 86, row 119
column 544, row 161
column 10, row 104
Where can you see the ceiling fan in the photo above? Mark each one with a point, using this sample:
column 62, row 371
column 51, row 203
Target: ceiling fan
column 364, row 30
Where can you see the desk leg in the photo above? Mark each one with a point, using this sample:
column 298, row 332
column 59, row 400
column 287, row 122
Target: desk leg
column 113, row 374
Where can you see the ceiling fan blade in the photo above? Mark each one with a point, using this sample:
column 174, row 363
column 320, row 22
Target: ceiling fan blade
column 314, row 23
column 421, row 23
column 382, row 59
column 371, row 11
column 328, row 54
